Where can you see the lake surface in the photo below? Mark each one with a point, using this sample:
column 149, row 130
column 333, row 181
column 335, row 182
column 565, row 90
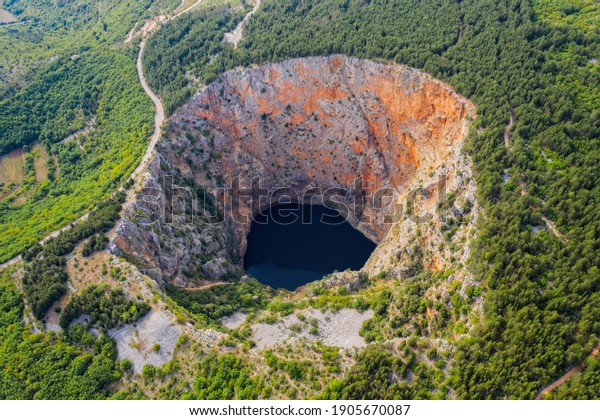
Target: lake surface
column 290, row 245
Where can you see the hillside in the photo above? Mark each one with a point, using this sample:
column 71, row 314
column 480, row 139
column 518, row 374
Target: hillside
column 484, row 114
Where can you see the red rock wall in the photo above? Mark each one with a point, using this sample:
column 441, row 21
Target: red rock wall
column 318, row 122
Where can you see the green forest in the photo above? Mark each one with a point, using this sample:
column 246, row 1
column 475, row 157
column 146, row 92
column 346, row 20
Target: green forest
column 582, row 386
column 46, row 30
column 45, row 278
column 69, row 365
column 219, row 301
column 78, row 71
column 537, row 60
column 541, row 292
column 107, row 308
column 192, row 44
column 86, row 174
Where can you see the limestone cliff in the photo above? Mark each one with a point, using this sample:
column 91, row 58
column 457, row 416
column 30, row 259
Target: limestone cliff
column 361, row 136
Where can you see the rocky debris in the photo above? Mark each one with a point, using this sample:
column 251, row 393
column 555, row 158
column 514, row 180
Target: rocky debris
column 337, row 329
column 216, row 268
column 441, row 240
column 234, row 320
column 209, row 338
column 136, row 342
column 157, row 234
column 351, row 281
column 51, row 321
column 235, row 36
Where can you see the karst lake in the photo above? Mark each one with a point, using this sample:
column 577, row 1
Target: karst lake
column 290, row 245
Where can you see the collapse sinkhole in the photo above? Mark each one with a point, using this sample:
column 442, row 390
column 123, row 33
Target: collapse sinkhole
column 302, row 128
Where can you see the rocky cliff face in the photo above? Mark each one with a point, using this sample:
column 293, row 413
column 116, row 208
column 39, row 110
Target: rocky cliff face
column 363, row 137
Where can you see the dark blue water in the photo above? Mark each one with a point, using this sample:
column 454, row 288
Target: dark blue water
column 290, row 245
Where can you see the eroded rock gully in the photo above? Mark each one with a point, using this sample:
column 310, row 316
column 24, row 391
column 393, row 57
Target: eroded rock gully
column 325, row 123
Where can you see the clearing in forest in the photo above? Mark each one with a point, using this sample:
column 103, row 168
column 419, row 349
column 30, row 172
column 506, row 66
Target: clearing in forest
column 40, row 162
column 12, row 170
column 12, row 167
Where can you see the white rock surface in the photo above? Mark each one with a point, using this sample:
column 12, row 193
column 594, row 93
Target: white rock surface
column 234, row 320
column 338, row 329
column 135, row 341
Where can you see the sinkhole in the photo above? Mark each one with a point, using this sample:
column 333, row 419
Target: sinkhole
column 364, row 135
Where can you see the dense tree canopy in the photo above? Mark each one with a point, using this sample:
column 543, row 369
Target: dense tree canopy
column 107, row 308
column 219, row 301
column 71, row 365
column 64, row 66
column 541, row 287
column 582, row 386
column 87, row 170
column 190, row 45
column 541, row 290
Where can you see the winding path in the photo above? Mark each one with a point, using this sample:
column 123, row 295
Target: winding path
column 206, row 286
column 567, row 375
column 185, row 10
column 236, row 35
column 89, row 126
column 553, row 229
column 159, row 112
column 159, row 116
column 46, row 239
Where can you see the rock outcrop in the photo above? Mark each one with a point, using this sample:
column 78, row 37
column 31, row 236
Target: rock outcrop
column 363, row 137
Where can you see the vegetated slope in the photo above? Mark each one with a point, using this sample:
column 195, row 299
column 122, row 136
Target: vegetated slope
column 583, row 385
column 541, row 294
column 580, row 14
column 68, row 85
column 71, row 365
column 47, row 29
column 124, row 122
column 6, row 17
column 54, row 105
column 187, row 52
column 44, row 280
column 573, row 372
column 542, row 297
column 74, row 76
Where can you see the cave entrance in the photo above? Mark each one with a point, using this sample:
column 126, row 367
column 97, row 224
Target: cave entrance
column 293, row 244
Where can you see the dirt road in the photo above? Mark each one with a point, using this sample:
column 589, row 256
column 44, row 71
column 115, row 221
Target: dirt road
column 235, row 36
column 566, row 376
column 159, row 113
column 159, row 116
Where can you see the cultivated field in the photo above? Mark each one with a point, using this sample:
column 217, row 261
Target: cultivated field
column 12, row 172
column 12, row 167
